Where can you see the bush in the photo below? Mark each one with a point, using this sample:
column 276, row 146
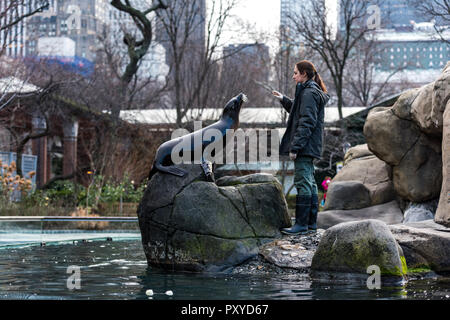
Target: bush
column 68, row 194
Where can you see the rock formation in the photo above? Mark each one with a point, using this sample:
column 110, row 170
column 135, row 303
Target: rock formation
column 407, row 158
column 190, row 224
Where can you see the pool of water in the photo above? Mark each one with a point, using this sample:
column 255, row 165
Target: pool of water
column 118, row 270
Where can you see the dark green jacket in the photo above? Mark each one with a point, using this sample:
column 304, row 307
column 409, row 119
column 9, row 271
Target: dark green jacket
column 304, row 130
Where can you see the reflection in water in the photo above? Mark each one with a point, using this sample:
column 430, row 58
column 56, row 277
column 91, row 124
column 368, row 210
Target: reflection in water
column 118, row 270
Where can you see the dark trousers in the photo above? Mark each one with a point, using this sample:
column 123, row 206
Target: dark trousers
column 304, row 176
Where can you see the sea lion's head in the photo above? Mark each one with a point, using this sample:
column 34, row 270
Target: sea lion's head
column 233, row 107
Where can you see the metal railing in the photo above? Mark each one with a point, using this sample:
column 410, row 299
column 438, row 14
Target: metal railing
column 64, row 218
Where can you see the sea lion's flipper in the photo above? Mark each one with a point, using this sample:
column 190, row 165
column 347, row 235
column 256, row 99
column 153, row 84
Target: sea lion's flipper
column 172, row 170
column 207, row 167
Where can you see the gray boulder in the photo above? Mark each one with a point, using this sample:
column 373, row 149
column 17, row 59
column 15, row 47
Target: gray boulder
column 361, row 165
column 351, row 247
column 426, row 245
column 347, row 195
column 190, row 224
column 440, row 99
column 357, row 152
column 394, row 137
column 389, row 213
column 443, row 211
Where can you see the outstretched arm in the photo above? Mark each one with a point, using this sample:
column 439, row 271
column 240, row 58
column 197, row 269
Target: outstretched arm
column 285, row 101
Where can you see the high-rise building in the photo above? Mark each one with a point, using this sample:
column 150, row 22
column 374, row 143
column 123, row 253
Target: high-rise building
column 398, row 14
column 14, row 38
column 79, row 20
column 291, row 12
column 250, row 55
column 289, row 9
column 196, row 19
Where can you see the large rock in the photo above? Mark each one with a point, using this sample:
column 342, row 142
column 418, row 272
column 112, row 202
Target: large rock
column 362, row 166
column 357, row 152
column 190, row 224
column 441, row 95
column 351, row 247
column 388, row 136
column 418, row 177
column 443, row 211
column 389, row 213
column 347, row 195
column 393, row 135
column 426, row 245
column 421, row 111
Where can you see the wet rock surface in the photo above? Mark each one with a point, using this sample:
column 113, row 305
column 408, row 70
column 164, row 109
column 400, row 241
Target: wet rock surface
column 426, row 245
column 287, row 255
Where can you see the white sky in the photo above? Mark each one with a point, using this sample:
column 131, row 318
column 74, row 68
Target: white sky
column 262, row 15
column 265, row 14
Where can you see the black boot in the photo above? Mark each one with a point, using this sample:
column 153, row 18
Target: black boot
column 302, row 209
column 312, row 221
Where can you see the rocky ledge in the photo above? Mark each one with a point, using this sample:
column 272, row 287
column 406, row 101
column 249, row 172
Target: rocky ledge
column 288, row 255
column 422, row 249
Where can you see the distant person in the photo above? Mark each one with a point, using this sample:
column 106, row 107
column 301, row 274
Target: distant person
column 325, row 184
column 302, row 141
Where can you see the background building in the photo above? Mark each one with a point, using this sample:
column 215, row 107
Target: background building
column 79, row 20
column 196, row 38
column 288, row 10
column 412, row 50
column 14, row 38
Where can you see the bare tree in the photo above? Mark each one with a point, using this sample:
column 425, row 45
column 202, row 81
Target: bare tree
column 365, row 85
column 137, row 48
column 439, row 10
column 193, row 52
column 334, row 45
column 12, row 12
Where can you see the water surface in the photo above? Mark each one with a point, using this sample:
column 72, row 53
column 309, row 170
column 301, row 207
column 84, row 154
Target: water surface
column 118, row 270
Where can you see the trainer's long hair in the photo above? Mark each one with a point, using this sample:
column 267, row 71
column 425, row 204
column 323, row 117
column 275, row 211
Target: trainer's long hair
column 311, row 72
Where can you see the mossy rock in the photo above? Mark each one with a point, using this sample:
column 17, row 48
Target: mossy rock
column 191, row 224
column 352, row 247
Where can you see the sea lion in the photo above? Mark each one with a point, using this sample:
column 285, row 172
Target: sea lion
column 229, row 120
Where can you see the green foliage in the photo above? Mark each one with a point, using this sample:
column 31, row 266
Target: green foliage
column 68, row 194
